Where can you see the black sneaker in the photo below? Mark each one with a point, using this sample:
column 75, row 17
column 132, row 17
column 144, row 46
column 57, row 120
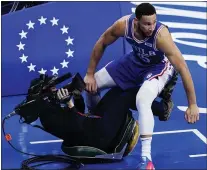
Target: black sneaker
column 166, row 97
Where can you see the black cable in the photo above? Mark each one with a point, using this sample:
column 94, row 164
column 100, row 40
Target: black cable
column 75, row 164
column 49, row 159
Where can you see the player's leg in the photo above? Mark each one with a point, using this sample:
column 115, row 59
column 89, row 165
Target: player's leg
column 104, row 81
column 149, row 90
column 145, row 96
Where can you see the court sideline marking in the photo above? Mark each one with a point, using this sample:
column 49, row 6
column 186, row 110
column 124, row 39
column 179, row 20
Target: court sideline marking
column 184, row 108
column 195, row 131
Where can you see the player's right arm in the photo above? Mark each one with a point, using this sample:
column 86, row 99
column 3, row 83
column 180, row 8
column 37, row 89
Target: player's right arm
column 108, row 37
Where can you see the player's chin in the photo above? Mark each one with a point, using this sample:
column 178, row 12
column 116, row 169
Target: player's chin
column 148, row 34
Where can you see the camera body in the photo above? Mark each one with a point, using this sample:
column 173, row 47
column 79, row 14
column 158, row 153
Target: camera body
column 40, row 89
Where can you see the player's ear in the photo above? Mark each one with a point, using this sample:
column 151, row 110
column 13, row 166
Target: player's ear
column 136, row 20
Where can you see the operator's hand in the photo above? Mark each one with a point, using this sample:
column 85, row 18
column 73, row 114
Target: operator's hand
column 62, row 94
column 90, row 82
column 76, row 94
column 192, row 113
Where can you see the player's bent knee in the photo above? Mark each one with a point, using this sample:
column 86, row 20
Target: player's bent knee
column 147, row 93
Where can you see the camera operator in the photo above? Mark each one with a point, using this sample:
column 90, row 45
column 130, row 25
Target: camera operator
column 64, row 117
column 75, row 128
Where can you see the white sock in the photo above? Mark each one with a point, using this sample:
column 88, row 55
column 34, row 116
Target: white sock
column 146, row 147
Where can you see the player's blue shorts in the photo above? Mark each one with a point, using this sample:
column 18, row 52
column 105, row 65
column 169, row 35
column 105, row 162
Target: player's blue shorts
column 129, row 72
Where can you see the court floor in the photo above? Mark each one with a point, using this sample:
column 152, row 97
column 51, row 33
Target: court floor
column 176, row 144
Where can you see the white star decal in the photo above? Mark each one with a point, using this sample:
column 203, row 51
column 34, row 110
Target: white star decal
column 69, row 40
column 23, row 34
column 30, row 25
column 54, row 21
column 64, row 64
column 21, row 46
column 54, row 71
column 42, row 71
column 70, row 53
column 31, row 67
column 42, row 20
column 64, row 29
column 23, row 58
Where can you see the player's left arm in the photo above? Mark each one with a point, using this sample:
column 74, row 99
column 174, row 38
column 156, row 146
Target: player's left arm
column 164, row 42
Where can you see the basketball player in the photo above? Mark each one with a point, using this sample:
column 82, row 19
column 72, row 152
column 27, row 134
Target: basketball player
column 151, row 64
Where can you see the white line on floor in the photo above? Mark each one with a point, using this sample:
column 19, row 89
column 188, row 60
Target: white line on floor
column 173, row 131
column 195, row 131
column 46, row 141
column 198, row 155
column 184, row 108
column 200, row 135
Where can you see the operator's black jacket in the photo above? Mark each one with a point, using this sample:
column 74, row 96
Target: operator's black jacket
column 76, row 129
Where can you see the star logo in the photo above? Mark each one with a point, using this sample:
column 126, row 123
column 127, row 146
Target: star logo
column 64, row 64
column 30, row 25
column 54, row 21
column 54, row 71
column 23, row 34
column 64, row 29
column 42, row 20
column 69, row 53
column 32, row 67
column 21, row 46
column 42, row 71
column 69, row 40
column 23, row 58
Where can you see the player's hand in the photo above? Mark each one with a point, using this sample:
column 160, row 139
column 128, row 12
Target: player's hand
column 90, row 82
column 62, row 94
column 192, row 114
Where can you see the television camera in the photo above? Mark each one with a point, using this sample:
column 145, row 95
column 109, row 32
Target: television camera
column 40, row 89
